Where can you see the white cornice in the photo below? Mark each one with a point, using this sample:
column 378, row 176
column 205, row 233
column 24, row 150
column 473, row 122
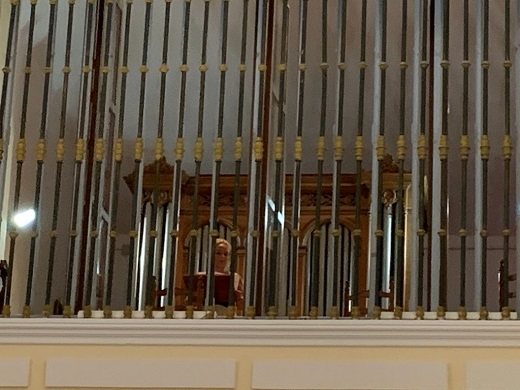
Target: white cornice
column 261, row 332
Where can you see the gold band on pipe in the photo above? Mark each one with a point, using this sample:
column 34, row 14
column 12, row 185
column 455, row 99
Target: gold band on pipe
column 507, row 147
column 20, row 150
column 159, row 149
column 443, row 147
column 401, row 147
column 179, row 148
column 223, row 67
column 60, row 149
column 338, row 148
column 99, row 149
column 484, row 147
column 298, row 148
column 203, row 68
column 198, row 149
column 380, row 148
column 118, row 150
column 80, row 149
column 320, row 148
column 218, row 149
column 278, row 149
column 259, row 148
column 358, row 148
column 422, row 150
column 138, row 149
column 238, row 149
column 164, row 68
column 464, row 147
column 40, row 150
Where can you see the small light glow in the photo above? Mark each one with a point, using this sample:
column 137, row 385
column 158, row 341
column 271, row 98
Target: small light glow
column 23, row 218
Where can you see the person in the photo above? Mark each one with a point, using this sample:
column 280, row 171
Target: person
column 222, row 256
column 223, row 262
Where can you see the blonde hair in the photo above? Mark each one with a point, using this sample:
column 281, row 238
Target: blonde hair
column 223, row 241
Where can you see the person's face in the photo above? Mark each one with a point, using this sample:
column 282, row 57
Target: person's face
column 221, row 257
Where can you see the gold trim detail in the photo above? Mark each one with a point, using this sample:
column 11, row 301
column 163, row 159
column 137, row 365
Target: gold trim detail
column 198, row 149
column 218, row 149
column 380, row 148
column 80, row 149
column 60, row 149
column 238, row 149
column 464, row 147
column 118, row 149
column 298, row 148
column 507, row 147
column 138, row 148
column 20, row 150
column 422, row 149
column 278, row 148
column 179, row 148
column 40, row 150
column 443, row 147
column 159, row 149
column 259, row 149
column 164, row 68
column 338, row 148
column 358, row 148
column 320, row 148
column 484, row 147
column 401, row 147
column 99, row 149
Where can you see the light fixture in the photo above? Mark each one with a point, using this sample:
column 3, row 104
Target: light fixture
column 23, row 218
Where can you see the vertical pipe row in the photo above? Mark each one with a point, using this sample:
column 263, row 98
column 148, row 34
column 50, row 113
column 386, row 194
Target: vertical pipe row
column 218, row 155
column 380, row 155
column 464, row 155
column 257, row 145
column 507, row 150
column 422, row 154
column 338, row 155
column 443, row 156
column 60, row 154
column 198, row 154
column 118, row 158
column 320, row 155
column 358, row 152
column 179, row 152
column 80, row 151
column 276, row 229
column 138, row 156
column 401, row 155
column 152, row 280
column 238, row 158
column 484, row 156
column 99, row 154
column 20, row 157
column 298, row 154
column 40, row 154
